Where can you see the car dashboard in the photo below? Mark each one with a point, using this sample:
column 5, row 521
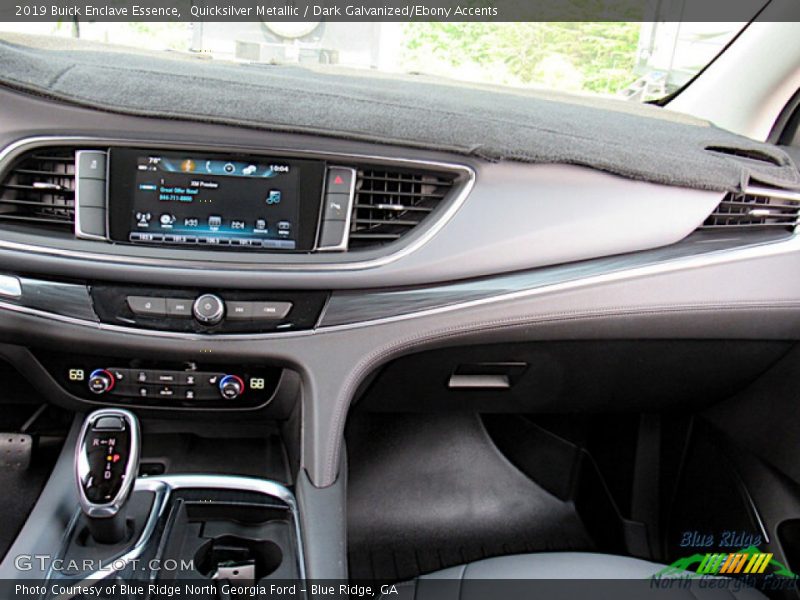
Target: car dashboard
column 219, row 274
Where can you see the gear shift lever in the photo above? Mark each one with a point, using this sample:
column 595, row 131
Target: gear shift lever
column 106, row 466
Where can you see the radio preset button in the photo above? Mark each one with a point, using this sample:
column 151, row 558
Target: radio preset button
column 271, row 310
column 239, row 310
column 179, row 307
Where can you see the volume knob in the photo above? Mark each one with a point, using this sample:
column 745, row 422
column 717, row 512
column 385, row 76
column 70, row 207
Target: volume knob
column 209, row 309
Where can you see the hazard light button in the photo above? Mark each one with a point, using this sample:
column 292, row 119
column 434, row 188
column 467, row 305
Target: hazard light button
column 340, row 181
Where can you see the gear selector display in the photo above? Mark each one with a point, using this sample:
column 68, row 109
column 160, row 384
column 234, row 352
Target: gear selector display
column 107, row 453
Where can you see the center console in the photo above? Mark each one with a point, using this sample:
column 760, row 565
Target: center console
column 209, row 530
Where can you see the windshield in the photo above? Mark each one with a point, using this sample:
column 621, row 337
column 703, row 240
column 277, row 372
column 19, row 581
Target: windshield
column 631, row 60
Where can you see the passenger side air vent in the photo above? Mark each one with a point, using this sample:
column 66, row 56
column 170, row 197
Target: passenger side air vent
column 389, row 203
column 40, row 189
column 758, row 207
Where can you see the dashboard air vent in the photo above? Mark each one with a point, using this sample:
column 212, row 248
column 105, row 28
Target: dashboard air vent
column 40, row 189
column 389, row 203
column 757, row 207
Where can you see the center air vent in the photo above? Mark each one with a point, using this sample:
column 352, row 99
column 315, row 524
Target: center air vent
column 40, row 189
column 389, row 203
column 757, row 208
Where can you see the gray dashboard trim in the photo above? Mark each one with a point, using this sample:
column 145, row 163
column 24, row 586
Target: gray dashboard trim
column 376, row 308
column 734, row 300
column 518, row 216
column 55, row 297
column 425, row 231
column 366, row 307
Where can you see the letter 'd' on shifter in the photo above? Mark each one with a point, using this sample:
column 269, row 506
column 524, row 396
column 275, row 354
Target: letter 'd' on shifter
column 106, row 466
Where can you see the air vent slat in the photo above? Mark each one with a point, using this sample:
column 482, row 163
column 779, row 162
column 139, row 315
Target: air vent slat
column 390, row 203
column 46, row 173
column 57, row 158
column 755, row 210
column 403, row 179
column 395, row 222
column 745, row 226
column 58, row 190
column 32, row 219
column 40, row 189
column 69, row 204
column 394, row 207
column 375, row 236
column 415, row 195
column 763, row 202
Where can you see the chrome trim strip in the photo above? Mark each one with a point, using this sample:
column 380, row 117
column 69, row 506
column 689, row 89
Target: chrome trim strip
column 111, row 508
column 152, row 332
column 721, row 257
column 10, row 286
column 760, row 190
column 342, row 245
column 161, row 491
column 792, row 244
column 164, row 485
column 79, row 233
column 15, row 148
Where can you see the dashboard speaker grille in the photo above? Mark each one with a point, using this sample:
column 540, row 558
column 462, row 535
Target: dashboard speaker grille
column 757, row 208
column 40, row 189
column 389, row 203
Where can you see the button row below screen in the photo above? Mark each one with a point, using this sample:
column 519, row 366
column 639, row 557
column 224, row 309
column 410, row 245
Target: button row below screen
column 182, row 307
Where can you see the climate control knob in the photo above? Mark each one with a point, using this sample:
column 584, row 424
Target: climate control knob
column 231, row 387
column 101, row 381
column 209, row 309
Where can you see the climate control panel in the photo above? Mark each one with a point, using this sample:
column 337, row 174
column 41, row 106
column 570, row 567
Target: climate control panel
column 175, row 385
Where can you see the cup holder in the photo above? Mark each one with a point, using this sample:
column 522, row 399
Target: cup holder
column 232, row 551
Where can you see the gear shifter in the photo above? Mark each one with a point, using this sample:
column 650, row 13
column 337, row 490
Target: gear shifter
column 106, row 466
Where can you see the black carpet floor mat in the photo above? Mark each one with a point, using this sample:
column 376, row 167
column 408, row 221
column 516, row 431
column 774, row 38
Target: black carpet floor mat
column 430, row 491
column 21, row 487
column 26, row 486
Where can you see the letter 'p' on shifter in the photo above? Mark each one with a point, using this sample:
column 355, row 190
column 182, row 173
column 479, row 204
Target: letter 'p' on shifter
column 106, row 466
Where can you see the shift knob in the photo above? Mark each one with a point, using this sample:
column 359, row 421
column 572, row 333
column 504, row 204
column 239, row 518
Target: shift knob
column 106, row 466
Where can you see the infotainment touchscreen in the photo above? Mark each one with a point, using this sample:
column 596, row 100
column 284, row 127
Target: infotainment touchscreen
column 214, row 201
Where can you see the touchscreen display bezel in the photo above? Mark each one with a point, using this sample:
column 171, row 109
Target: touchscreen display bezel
column 123, row 164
